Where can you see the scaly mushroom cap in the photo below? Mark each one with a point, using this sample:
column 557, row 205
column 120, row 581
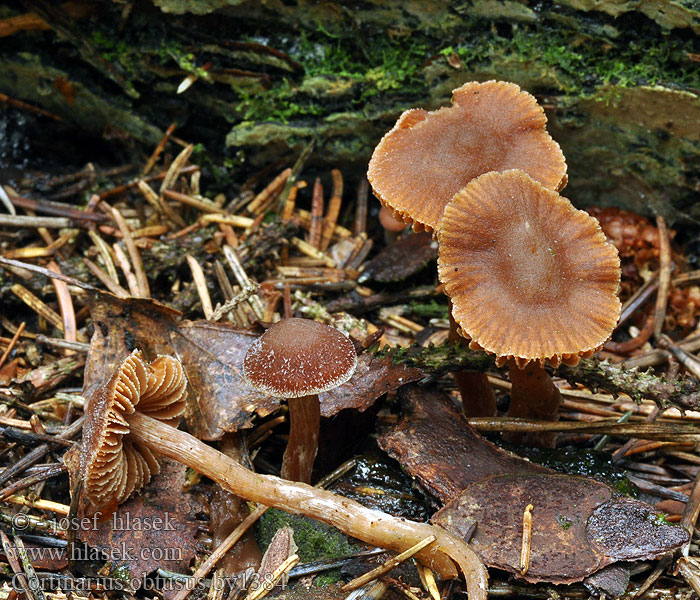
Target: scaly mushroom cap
column 113, row 466
column 299, row 357
column 428, row 157
column 530, row 276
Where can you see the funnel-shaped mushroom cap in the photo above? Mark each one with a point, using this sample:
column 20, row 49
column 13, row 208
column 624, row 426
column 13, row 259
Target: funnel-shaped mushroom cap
column 428, row 157
column 299, row 357
column 113, row 466
column 530, row 276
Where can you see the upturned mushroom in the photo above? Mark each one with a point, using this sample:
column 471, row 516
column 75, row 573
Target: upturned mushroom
column 531, row 279
column 297, row 359
column 133, row 408
column 112, row 464
column 427, row 157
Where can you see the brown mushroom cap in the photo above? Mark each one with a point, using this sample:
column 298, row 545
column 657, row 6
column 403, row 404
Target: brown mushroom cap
column 428, row 157
column 530, row 276
column 299, row 357
column 113, row 466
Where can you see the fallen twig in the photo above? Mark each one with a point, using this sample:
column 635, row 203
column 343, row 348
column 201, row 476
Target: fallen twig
column 595, row 374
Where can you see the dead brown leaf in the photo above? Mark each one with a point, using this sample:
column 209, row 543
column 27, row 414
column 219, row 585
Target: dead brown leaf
column 405, row 257
column 220, row 399
column 155, row 529
column 372, row 378
column 436, row 445
column 578, row 525
column 122, row 325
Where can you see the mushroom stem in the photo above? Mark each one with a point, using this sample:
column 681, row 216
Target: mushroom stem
column 392, row 226
column 350, row 517
column 304, row 424
column 533, row 395
column 478, row 399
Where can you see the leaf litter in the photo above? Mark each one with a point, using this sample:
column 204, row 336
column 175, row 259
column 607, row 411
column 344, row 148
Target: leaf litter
column 431, row 440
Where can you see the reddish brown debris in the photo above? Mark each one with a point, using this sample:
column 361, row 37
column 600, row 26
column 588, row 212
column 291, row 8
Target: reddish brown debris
column 628, row 231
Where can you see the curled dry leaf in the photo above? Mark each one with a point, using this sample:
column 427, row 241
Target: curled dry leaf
column 579, row 525
column 112, row 466
column 373, row 378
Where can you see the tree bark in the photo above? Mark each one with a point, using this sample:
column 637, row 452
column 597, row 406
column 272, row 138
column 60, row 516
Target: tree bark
column 619, row 88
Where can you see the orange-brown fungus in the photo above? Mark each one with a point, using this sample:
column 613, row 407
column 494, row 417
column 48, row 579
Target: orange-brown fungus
column 530, row 277
column 428, row 157
column 112, row 465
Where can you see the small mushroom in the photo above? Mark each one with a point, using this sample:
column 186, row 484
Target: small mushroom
column 392, row 225
column 297, row 359
column 112, row 464
column 114, row 422
column 427, row 157
column 531, row 278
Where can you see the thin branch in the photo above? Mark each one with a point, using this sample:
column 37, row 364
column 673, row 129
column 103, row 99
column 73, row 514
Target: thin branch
column 595, row 374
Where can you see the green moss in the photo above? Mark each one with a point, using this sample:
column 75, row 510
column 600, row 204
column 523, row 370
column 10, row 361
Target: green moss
column 626, row 487
column 135, row 51
column 186, row 61
column 115, row 50
column 281, row 103
column 428, row 310
column 341, row 70
column 564, row 522
column 579, row 64
column 315, row 541
column 121, row 573
column 660, row 519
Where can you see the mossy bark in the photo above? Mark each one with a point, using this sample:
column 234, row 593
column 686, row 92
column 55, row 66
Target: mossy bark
column 619, row 80
column 595, row 374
